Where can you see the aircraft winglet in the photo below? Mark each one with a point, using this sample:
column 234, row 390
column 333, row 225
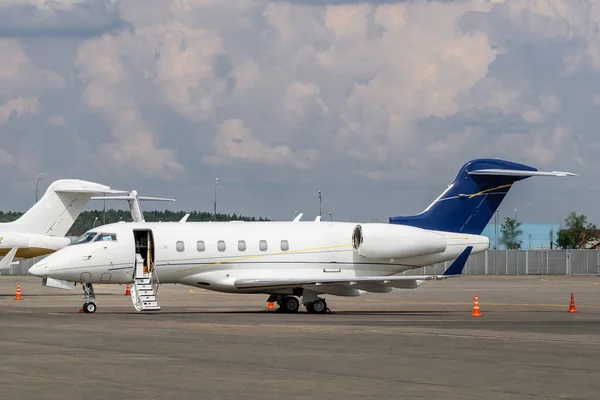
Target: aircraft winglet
column 456, row 268
column 298, row 217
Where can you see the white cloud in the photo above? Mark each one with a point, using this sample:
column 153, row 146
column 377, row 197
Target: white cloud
column 19, row 75
column 185, row 69
column 56, row 120
column 341, row 93
column 19, row 107
column 235, row 142
column 133, row 144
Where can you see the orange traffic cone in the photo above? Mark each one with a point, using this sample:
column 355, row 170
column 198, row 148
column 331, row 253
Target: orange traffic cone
column 18, row 296
column 476, row 311
column 271, row 305
column 572, row 308
column 128, row 290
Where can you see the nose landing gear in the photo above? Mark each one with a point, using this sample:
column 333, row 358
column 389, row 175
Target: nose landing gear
column 90, row 299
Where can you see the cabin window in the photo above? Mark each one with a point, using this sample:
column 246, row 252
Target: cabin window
column 241, row 245
column 179, row 246
column 200, row 245
column 263, row 245
column 221, row 245
column 285, row 246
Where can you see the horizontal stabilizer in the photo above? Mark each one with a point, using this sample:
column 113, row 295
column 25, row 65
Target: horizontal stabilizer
column 129, row 197
column 137, row 215
column 516, row 172
column 456, row 268
column 289, row 282
column 89, row 190
column 7, row 260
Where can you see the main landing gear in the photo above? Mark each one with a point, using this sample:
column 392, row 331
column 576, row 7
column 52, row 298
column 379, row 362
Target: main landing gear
column 291, row 304
column 90, row 299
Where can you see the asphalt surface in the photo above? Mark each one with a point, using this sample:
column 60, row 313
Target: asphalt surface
column 420, row 343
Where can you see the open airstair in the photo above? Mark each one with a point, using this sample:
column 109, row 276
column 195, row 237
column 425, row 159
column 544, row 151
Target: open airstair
column 145, row 287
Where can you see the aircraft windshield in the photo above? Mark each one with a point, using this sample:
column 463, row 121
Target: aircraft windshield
column 85, row 238
column 105, row 237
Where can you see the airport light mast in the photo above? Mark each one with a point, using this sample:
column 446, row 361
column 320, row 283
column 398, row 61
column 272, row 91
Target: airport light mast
column 215, row 210
column 320, row 204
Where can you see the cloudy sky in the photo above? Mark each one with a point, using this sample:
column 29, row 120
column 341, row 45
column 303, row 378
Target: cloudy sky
column 377, row 104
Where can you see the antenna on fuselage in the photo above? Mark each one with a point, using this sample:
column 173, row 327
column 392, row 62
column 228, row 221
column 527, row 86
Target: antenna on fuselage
column 137, row 215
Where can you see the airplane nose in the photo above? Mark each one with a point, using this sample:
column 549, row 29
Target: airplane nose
column 39, row 269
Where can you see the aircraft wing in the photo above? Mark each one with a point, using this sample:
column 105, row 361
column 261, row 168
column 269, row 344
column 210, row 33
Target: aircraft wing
column 396, row 281
column 392, row 281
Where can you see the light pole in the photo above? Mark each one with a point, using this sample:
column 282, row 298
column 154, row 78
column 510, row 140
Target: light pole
column 320, row 204
column 95, row 220
column 215, row 210
column 37, row 185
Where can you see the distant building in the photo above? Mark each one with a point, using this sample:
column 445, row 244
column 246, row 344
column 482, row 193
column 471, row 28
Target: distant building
column 534, row 236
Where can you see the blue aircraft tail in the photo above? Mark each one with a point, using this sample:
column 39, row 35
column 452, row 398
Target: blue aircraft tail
column 469, row 204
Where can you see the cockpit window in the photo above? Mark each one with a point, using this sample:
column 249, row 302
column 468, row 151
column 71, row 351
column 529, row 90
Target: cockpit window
column 106, row 236
column 85, row 238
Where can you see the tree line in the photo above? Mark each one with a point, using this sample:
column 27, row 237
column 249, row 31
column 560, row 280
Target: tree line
column 89, row 219
column 578, row 233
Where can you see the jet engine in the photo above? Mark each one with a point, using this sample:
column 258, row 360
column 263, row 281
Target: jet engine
column 8, row 240
column 386, row 241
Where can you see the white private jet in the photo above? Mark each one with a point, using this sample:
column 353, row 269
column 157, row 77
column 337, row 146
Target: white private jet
column 42, row 229
column 292, row 260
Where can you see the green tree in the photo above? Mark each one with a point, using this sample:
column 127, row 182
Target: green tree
column 88, row 219
column 510, row 233
column 578, row 232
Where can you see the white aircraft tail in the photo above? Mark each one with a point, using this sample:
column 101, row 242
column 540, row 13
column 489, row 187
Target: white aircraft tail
column 57, row 210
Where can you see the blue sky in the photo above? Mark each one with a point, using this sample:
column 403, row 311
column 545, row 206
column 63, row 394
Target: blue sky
column 377, row 104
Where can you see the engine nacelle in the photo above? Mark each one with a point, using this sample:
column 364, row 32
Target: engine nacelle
column 48, row 242
column 8, row 240
column 386, row 241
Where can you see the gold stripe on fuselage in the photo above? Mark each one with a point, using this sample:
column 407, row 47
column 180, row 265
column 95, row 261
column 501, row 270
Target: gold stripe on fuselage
column 28, row 252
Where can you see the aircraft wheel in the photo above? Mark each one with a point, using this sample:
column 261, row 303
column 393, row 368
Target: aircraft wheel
column 319, row 306
column 89, row 308
column 291, row 304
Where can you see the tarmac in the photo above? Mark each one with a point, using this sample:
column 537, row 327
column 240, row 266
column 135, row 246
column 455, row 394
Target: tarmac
column 420, row 343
